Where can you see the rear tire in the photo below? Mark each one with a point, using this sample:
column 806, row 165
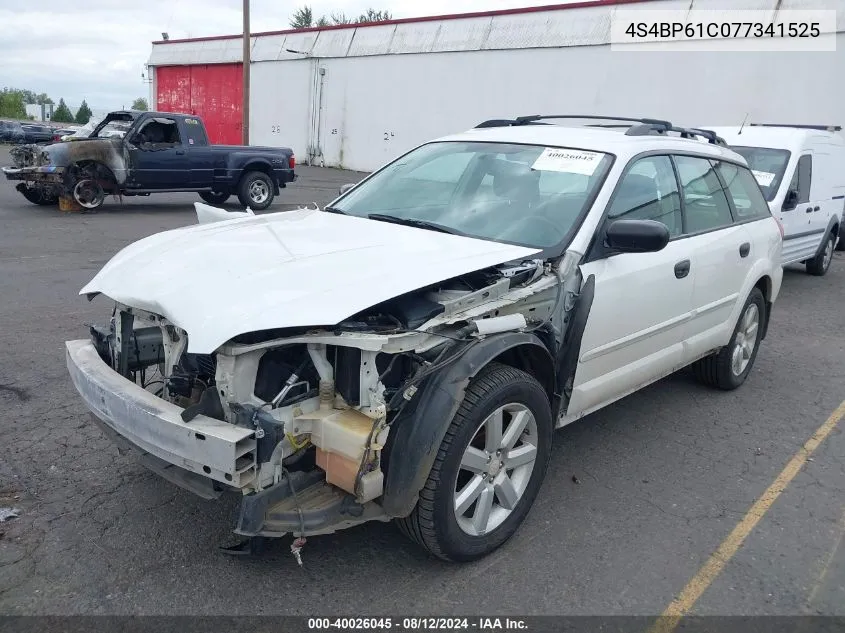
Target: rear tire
column 729, row 368
column 468, row 471
column 256, row 190
column 820, row 264
column 214, row 197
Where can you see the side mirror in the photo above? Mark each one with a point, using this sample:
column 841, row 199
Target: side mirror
column 790, row 201
column 637, row 236
column 346, row 187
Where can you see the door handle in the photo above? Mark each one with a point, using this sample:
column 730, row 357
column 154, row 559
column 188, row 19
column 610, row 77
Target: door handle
column 682, row 269
column 809, row 209
column 744, row 249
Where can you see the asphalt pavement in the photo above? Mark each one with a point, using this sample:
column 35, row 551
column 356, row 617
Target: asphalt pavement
column 637, row 498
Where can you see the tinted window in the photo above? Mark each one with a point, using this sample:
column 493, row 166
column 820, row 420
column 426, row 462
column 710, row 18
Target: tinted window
column 195, row 132
column 767, row 165
column 705, row 203
column 520, row 194
column 649, row 191
column 748, row 200
column 802, row 177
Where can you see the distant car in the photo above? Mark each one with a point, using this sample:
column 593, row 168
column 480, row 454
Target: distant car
column 60, row 133
column 11, row 132
column 34, row 133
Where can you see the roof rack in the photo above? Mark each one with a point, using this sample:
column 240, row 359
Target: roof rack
column 826, row 128
column 643, row 127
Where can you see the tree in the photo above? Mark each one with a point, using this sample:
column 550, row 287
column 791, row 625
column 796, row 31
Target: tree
column 62, row 113
column 43, row 99
column 140, row 104
column 303, row 18
column 374, row 16
column 323, row 21
column 83, row 115
column 12, row 104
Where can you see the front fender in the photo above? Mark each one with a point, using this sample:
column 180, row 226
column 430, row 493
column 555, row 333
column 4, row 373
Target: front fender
column 418, row 430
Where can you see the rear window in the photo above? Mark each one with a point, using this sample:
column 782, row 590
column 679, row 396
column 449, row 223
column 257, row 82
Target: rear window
column 748, row 199
column 767, row 166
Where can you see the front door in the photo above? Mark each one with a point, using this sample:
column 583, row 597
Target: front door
column 642, row 302
column 802, row 236
column 158, row 156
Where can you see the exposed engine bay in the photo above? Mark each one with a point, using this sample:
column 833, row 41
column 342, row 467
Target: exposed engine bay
column 319, row 403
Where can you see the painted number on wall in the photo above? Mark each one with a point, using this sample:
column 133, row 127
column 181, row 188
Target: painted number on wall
column 275, row 129
column 334, row 130
column 388, row 136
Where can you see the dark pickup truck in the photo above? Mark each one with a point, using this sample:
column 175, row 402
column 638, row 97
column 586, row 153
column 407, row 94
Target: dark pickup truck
column 133, row 153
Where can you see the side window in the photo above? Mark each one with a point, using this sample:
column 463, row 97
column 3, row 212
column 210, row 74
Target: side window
column 195, row 132
column 801, row 179
column 649, row 191
column 160, row 132
column 705, row 202
column 745, row 192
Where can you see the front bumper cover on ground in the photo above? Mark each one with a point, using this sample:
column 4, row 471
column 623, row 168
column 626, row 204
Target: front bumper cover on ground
column 204, row 446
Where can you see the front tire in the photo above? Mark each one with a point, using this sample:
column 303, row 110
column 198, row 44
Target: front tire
column 36, row 195
column 256, row 190
column 488, row 469
column 820, row 264
column 214, row 197
column 729, row 368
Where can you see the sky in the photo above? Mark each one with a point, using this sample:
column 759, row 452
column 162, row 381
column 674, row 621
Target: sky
column 96, row 49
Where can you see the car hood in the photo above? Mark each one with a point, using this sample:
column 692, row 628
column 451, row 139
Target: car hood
column 290, row 269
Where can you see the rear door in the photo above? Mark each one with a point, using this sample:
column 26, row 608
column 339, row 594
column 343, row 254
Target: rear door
column 721, row 252
column 642, row 302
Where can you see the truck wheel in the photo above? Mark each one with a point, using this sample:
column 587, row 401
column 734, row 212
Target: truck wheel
column 88, row 193
column 256, row 190
column 213, row 197
column 488, row 469
column 820, row 264
column 729, row 368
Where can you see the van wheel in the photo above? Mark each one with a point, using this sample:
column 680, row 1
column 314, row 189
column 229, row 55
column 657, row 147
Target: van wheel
column 213, row 197
column 840, row 245
column 488, row 469
column 820, row 264
column 256, row 190
column 729, row 368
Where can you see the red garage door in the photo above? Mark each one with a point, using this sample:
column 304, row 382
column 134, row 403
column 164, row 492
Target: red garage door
column 213, row 92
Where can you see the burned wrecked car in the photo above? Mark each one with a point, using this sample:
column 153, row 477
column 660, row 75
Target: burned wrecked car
column 132, row 153
column 406, row 352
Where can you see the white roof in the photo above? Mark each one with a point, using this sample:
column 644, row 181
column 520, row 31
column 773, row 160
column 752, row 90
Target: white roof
column 775, row 137
column 612, row 141
column 555, row 26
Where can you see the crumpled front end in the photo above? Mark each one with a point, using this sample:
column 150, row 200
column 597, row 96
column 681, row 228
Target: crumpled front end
column 34, row 163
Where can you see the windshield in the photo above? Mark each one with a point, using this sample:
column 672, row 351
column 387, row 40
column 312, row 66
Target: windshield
column 520, row 194
column 767, row 165
column 111, row 127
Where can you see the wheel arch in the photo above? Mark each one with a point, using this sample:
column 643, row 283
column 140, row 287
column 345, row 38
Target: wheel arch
column 100, row 170
column 419, row 428
column 764, row 284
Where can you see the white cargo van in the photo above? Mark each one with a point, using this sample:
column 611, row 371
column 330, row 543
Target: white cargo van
column 801, row 170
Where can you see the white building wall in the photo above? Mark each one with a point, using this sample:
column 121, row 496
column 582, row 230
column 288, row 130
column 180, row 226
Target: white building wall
column 377, row 107
column 389, row 87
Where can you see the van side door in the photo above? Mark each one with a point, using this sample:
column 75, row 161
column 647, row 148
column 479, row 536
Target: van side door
column 802, row 235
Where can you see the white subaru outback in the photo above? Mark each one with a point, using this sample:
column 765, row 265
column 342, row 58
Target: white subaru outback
column 406, row 352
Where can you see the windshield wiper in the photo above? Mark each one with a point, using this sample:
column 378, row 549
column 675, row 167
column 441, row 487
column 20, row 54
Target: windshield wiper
column 419, row 224
column 334, row 210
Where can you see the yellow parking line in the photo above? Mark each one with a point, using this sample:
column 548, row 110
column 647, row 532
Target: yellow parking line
column 685, row 601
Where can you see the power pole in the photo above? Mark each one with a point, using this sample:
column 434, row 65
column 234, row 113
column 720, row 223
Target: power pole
column 246, row 65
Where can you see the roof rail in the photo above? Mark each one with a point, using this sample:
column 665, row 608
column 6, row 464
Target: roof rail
column 826, row 128
column 538, row 118
column 643, row 127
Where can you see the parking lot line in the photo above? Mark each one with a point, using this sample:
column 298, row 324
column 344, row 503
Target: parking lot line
column 680, row 606
column 828, row 561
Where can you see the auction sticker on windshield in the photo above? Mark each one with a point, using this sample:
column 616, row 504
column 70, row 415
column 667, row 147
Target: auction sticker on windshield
column 567, row 160
column 764, row 178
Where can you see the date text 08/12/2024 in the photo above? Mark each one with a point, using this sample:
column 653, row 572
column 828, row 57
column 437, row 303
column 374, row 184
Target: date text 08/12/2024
column 481, row 624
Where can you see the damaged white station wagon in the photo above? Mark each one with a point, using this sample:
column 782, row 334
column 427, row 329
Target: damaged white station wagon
column 406, row 352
